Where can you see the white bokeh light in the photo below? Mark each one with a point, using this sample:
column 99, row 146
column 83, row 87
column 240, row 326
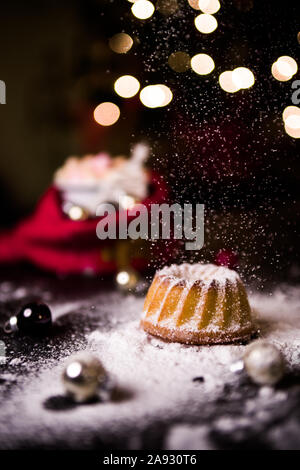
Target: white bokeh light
column 155, row 96
column 142, row 9
column 209, row 6
column 293, row 121
column 106, row 114
column 123, row 278
column 284, row 68
column 288, row 64
column 295, row 133
column 226, row 82
column 290, row 111
column 74, row 370
column 167, row 93
column 202, row 64
column 127, row 86
column 206, row 23
column 243, row 77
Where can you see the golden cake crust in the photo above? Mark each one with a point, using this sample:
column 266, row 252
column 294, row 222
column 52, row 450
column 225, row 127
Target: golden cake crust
column 198, row 304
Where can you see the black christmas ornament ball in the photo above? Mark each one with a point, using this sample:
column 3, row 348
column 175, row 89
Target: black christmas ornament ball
column 34, row 319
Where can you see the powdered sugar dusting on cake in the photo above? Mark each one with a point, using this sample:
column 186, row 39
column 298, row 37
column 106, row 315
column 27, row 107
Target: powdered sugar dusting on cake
column 199, row 272
column 198, row 303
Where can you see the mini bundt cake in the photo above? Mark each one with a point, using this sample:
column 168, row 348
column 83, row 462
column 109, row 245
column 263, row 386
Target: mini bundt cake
column 198, row 304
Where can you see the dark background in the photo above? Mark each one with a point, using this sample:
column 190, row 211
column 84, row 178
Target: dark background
column 228, row 151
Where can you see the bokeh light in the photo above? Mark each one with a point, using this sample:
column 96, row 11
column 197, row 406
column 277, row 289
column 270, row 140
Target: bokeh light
column 291, row 118
column 206, row 23
column 277, row 75
column 293, row 121
column 202, row 64
column 292, row 132
column 76, row 213
column 121, row 43
column 123, row 278
column 284, row 68
column 167, row 7
column 290, row 111
column 168, row 94
column 287, row 64
column 127, row 86
column 179, row 61
column 155, row 96
column 243, row 77
column 226, row 82
column 106, row 114
column 127, row 202
column 209, row 6
column 142, row 9
column 194, row 4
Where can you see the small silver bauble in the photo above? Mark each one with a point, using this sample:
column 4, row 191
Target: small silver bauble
column 84, row 378
column 264, row 363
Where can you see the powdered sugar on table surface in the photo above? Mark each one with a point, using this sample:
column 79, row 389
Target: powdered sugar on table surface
column 170, row 386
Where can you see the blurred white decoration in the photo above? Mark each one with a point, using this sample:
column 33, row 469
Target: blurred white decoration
column 127, row 86
column 206, row 23
column 243, row 77
column 209, row 6
column 202, row 64
column 284, row 68
column 142, row 9
column 155, row 96
column 131, row 179
column 226, row 82
column 106, row 114
column 87, row 182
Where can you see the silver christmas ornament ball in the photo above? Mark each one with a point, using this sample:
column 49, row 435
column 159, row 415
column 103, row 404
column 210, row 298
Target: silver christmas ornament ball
column 264, row 363
column 84, row 377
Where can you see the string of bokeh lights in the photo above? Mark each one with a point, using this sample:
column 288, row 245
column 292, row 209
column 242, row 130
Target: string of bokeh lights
column 160, row 95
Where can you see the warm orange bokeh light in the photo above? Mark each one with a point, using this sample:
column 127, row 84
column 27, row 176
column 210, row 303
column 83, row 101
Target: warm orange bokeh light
column 106, row 114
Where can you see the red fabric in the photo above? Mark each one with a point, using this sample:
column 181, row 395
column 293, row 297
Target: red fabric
column 52, row 241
